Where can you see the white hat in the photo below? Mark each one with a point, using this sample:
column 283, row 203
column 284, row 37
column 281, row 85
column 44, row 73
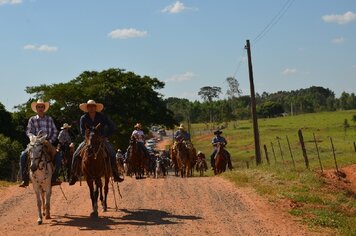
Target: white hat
column 66, row 126
column 181, row 126
column 99, row 106
column 39, row 102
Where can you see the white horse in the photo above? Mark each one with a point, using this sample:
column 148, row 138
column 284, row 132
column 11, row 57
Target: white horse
column 41, row 153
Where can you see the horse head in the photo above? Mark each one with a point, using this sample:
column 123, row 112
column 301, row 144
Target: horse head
column 35, row 148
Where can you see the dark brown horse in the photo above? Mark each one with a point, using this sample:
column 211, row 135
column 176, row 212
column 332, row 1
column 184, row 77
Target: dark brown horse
column 220, row 159
column 96, row 164
column 183, row 160
column 66, row 151
column 174, row 163
column 137, row 162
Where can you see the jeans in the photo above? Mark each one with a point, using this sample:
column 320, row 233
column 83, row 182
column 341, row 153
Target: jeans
column 212, row 158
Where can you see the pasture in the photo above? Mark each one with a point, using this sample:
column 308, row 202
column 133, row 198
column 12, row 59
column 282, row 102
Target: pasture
column 307, row 193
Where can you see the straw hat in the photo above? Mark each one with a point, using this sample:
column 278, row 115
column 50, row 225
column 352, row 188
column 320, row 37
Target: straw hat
column 138, row 125
column 39, row 102
column 99, row 106
column 181, row 126
column 66, row 126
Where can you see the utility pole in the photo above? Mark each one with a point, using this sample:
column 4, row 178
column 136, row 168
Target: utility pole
column 253, row 106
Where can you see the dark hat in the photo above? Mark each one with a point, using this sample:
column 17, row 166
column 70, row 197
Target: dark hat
column 217, row 132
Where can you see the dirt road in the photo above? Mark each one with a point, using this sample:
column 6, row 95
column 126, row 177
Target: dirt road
column 165, row 206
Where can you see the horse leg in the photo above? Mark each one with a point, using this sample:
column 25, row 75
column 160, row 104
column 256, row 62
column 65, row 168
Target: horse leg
column 94, row 203
column 106, row 191
column 48, row 202
column 39, row 205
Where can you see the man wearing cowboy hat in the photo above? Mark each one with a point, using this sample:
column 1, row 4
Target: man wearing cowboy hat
column 219, row 139
column 37, row 123
column 92, row 117
column 63, row 136
column 139, row 135
column 181, row 134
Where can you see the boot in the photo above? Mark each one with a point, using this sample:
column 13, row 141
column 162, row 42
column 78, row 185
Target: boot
column 73, row 175
column 24, row 184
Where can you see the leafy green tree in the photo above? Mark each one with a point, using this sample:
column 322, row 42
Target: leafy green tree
column 128, row 99
column 9, row 157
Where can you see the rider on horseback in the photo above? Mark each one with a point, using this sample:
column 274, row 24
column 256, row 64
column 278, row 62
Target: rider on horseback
column 64, row 139
column 139, row 136
column 37, row 123
column 219, row 139
column 181, row 134
column 92, row 118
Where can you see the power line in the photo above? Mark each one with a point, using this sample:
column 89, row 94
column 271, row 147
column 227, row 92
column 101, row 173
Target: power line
column 274, row 20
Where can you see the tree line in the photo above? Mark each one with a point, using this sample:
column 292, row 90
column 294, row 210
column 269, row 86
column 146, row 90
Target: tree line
column 130, row 98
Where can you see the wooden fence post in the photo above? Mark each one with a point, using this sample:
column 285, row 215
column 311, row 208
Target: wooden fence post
column 290, row 151
column 317, row 151
column 274, row 154
column 332, row 146
column 301, row 140
column 354, row 146
column 267, row 158
column 280, row 148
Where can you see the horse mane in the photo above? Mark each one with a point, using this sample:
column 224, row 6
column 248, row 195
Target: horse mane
column 48, row 147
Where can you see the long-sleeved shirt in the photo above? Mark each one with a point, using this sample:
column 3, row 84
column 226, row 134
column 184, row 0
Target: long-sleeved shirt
column 64, row 137
column 139, row 135
column 218, row 139
column 107, row 125
column 46, row 124
column 179, row 135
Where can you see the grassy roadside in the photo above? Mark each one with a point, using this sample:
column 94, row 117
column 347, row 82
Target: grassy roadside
column 304, row 192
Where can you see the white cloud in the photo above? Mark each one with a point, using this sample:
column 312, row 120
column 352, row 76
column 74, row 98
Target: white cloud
column 42, row 48
column 127, row 33
column 289, row 71
column 12, row 2
column 184, row 77
column 177, row 7
column 340, row 19
column 338, row 40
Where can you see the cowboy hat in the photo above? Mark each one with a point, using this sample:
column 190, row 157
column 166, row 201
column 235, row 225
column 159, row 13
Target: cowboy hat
column 181, row 126
column 66, row 126
column 138, row 125
column 99, row 106
column 217, row 132
column 39, row 102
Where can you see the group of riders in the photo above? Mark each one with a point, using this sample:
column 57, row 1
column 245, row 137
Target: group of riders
column 92, row 117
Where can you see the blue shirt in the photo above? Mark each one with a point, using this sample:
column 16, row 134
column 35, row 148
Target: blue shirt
column 179, row 135
column 218, row 139
column 107, row 125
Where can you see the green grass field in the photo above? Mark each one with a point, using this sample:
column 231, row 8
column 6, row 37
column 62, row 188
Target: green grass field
column 316, row 204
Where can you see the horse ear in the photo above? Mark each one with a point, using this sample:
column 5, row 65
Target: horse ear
column 42, row 138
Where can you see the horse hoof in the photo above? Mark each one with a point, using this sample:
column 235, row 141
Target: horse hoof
column 94, row 215
column 48, row 217
column 39, row 221
column 105, row 209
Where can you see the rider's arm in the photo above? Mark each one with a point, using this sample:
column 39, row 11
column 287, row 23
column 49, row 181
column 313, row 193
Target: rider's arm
column 54, row 132
column 31, row 129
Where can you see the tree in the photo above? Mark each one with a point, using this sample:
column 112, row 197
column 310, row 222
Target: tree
column 233, row 87
column 128, row 98
column 208, row 93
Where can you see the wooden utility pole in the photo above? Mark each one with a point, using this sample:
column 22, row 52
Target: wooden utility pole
column 253, row 106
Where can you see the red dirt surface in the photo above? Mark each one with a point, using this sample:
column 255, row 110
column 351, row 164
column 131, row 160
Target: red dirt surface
column 344, row 179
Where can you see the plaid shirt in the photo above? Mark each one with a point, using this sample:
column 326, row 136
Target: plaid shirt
column 64, row 137
column 46, row 124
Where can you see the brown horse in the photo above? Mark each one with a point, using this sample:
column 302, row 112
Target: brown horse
column 173, row 155
column 67, row 155
column 220, row 159
column 96, row 164
column 183, row 160
column 137, row 162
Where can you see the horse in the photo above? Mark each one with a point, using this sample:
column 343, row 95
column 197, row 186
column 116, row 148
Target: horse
column 137, row 162
column 183, row 160
column 174, row 163
column 67, row 155
column 220, row 159
column 201, row 165
column 41, row 154
column 96, row 164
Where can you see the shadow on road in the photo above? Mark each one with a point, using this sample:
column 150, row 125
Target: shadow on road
column 153, row 217
column 138, row 217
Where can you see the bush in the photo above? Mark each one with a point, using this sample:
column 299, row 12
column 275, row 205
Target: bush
column 9, row 157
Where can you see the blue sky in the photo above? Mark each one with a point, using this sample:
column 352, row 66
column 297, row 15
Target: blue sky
column 187, row 44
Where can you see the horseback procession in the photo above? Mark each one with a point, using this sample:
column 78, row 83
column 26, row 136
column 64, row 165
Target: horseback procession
column 95, row 158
